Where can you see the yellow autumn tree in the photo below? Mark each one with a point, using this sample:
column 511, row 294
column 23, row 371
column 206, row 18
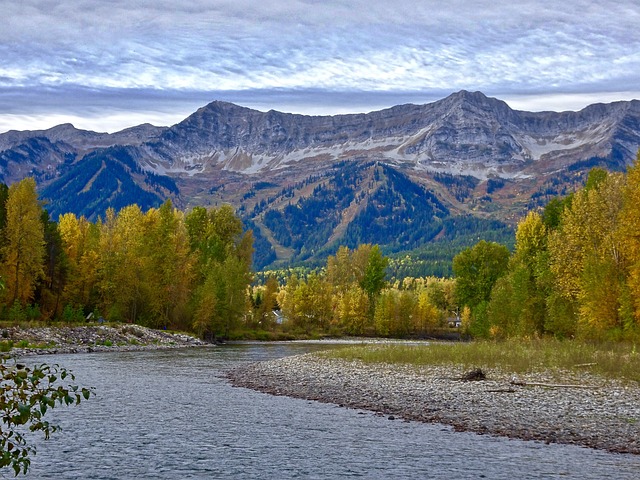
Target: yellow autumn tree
column 517, row 305
column 586, row 256
column 630, row 236
column 122, row 263
column 168, row 275
column 81, row 243
column 23, row 250
column 352, row 309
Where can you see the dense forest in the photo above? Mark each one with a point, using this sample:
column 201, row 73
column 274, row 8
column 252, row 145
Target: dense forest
column 160, row 268
column 106, row 180
column 399, row 213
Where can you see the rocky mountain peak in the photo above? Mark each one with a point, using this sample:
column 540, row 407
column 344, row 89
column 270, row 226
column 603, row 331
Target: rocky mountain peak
column 465, row 96
column 476, row 103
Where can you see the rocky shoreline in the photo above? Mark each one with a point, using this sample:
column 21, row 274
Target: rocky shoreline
column 565, row 407
column 90, row 338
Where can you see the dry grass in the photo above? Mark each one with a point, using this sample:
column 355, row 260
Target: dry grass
column 620, row 360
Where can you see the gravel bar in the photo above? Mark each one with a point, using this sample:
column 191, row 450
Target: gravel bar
column 94, row 338
column 580, row 409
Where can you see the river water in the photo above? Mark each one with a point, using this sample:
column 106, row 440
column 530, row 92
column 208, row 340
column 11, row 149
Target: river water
column 172, row 415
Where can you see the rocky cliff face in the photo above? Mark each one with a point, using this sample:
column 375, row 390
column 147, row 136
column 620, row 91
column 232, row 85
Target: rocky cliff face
column 464, row 133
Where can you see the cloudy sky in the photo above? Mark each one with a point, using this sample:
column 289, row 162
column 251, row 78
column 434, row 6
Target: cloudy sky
column 109, row 64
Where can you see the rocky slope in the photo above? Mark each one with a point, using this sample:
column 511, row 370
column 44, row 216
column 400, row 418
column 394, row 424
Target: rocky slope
column 463, row 133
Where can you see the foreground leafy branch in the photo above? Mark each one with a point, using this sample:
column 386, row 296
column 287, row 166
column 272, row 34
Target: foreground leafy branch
column 26, row 394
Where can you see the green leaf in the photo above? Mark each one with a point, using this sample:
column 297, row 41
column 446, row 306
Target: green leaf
column 24, row 411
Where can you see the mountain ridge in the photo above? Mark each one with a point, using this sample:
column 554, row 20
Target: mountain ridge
column 475, row 155
column 432, row 135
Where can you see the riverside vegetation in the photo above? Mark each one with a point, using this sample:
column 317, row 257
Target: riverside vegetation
column 619, row 361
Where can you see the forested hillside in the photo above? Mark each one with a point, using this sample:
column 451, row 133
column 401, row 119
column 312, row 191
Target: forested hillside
column 109, row 178
column 366, row 203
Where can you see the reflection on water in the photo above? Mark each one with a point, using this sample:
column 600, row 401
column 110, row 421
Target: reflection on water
column 172, row 415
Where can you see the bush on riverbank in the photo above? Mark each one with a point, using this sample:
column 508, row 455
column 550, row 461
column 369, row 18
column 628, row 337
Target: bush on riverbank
column 613, row 360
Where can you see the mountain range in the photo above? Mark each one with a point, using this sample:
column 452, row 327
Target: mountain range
column 402, row 177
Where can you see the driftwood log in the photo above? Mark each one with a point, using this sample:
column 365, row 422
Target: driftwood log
column 549, row 385
column 474, row 375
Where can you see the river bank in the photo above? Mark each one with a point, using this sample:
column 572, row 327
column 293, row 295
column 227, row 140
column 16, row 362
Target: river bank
column 567, row 407
column 17, row 341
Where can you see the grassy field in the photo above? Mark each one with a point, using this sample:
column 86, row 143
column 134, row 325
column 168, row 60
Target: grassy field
column 620, row 361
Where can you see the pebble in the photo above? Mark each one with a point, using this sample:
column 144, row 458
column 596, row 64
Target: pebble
column 605, row 416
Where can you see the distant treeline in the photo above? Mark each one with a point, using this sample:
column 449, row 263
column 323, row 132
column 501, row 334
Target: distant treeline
column 351, row 296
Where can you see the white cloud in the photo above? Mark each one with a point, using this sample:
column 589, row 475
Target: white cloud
column 422, row 47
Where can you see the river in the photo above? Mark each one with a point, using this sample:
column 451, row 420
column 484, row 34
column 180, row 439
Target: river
column 172, row 415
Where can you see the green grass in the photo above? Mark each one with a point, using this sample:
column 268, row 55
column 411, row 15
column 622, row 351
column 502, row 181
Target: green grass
column 620, row 360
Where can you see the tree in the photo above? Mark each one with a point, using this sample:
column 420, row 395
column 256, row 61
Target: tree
column 169, row 266
column 353, row 311
column 340, row 269
column 4, row 195
column 396, row 312
column 375, row 273
column 517, row 304
column 364, row 266
column 630, row 233
column 266, row 302
column 427, row 316
column 222, row 257
column 307, row 304
column 122, row 263
column 81, row 243
column 477, row 269
column 26, row 394
column 586, row 256
column 56, row 264
column 24, row 250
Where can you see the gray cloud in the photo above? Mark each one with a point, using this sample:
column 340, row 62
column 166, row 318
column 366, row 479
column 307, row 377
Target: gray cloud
column 307, row 54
